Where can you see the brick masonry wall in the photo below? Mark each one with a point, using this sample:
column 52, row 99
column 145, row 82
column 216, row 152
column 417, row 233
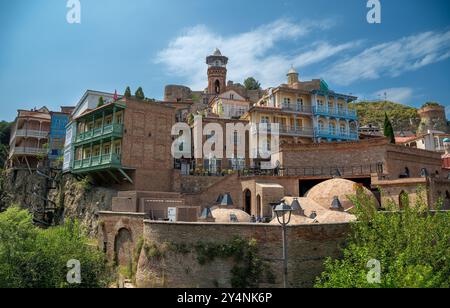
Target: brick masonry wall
column 110, row 225
column 309, row 246
column 364, row 153
column 147, row 145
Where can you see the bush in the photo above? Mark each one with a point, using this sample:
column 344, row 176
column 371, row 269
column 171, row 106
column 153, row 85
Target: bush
column 412, row 247
column 36, row 258
column 140, row 93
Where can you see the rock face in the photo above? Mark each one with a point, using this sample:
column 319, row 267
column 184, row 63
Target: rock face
column 69, row 198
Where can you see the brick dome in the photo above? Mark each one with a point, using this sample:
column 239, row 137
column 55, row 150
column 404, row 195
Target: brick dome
column 325, row 192
column 224, row 215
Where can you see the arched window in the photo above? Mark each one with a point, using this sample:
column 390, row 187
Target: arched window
column 343, row 129
column 332, row 128
column 321, row 125
column 217, row 87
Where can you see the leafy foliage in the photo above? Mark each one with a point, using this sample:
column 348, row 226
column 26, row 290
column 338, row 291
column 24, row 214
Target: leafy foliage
column 431, row 104
column 32, row 257
column 127, row 92
column 140, row 93
column 388, row 129
column 101, row 101
column 403, row 117
column 412, row 247
column 252, row 84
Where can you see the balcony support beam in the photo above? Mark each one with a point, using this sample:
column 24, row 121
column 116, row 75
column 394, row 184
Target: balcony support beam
column 125, row 175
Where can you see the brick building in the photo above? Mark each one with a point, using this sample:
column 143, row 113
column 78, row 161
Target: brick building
column 126, row 143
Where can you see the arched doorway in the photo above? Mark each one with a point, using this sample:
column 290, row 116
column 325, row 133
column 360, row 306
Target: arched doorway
column 248, row 201
column 123, row 248
column 258, row 207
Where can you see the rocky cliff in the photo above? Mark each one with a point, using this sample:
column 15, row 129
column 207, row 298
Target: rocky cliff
column 55, row 201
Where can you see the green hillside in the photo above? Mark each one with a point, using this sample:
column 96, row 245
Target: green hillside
column 403, row 117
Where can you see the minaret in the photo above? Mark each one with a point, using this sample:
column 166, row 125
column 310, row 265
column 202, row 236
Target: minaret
column 217, row 73
column 292, row 76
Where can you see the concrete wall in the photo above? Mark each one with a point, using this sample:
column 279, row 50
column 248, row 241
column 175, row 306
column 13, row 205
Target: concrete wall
column 309, row 245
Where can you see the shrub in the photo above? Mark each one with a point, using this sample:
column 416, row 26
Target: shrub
column 36, row 258
column 412, row 247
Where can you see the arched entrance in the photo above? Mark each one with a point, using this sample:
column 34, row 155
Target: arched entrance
column 123, row 248
column 248, row 201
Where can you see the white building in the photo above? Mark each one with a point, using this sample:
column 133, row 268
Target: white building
column 89, row 101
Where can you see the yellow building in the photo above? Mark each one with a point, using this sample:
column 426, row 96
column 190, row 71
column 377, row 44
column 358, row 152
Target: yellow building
column 306, row 111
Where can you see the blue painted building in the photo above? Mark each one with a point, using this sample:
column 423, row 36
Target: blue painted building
column 57, row 135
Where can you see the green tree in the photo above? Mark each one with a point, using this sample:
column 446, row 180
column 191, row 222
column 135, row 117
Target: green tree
column 127, row 92
column 101, row 101
column 412, row 246
column 140, row 93
column 388, row 129
column 5, row 132
column 252, row 84
column 35, row 258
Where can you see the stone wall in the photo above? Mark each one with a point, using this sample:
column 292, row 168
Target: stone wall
column 309, row 246
column 118, row 233
column 369, row 152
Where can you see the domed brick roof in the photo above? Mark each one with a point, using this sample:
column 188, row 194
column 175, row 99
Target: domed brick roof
column 224, row 215
column 325, row 192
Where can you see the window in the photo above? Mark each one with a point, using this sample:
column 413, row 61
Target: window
column 97, row 152
column 321, row 126
column 343, row 129
column 106, row 149
column 265, row 119
column 237, row 164
column 118, row 149
column 332, row 128
column 287, row 102
column 119, row 118
column 300, row 104
column 108, row 120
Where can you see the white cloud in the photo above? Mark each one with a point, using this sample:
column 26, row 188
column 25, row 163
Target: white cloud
column 392, row 59
column 398, row 95
column 252, row 53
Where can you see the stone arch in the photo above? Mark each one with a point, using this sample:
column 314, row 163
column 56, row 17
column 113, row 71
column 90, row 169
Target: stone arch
column 248, row 201
column 123, row 247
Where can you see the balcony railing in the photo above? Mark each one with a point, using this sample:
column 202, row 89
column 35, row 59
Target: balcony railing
column 115, row 129
column 28, row 151
column 296, row 131
column 97, row 162
column 335, row 134
column 337, row 112
column 30, row 133
column 297, row 108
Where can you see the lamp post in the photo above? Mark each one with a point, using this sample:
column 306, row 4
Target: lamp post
column 283, row 210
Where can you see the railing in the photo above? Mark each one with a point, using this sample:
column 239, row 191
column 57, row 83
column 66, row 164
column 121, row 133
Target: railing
column 297, row 131
column 97, row 161
column 28, row 151
column 30, row 133
column 297, row 108
column 101, row 131
column 335, row 134
column 339, row 112
column 341, row 171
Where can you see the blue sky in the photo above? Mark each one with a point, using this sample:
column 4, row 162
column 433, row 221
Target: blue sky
column 46, row 61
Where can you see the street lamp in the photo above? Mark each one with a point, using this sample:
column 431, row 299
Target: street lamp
column 283, row 210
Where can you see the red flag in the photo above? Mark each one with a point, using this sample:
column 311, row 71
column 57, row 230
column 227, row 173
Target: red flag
column 116, row 97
